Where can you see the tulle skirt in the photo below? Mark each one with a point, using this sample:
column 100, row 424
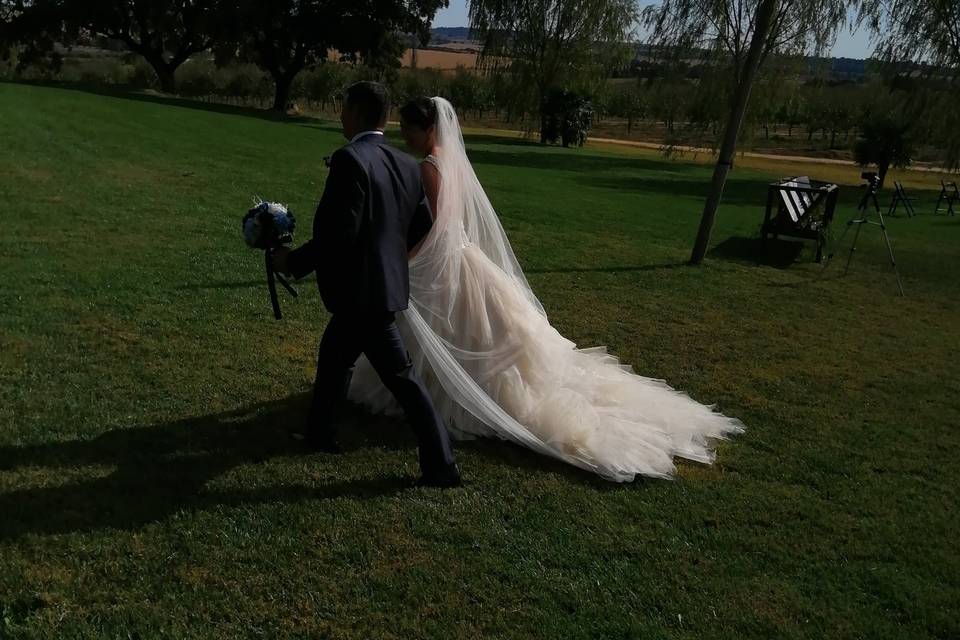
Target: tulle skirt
column 495, row 367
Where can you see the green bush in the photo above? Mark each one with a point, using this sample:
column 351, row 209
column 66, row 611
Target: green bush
column 142, row 75
column 325, row 83
column 238, row 81
column 566, row 116
column 95, row 70
column 8, row 67
column 196, row 78
column 418, row 83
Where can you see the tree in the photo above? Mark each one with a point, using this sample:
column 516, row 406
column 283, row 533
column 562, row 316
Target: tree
column 285, row 37
column 885, row 141
column 793, row 110
column 629, row 103
column 417, row 83
column 737, row 37
column 841, row 110
column 463, row 90
column 34, row 28
column 923, row 36
column 326, row 82
column 164, row 32
column 551, row 44
column 919, row 30
column 469, row 91
column 569, row 116
column 666, row 103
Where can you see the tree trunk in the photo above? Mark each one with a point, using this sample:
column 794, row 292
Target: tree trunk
column 882, row 168
column 168, row 83
column 765, row 13
column 281, row 94
column 165, row 70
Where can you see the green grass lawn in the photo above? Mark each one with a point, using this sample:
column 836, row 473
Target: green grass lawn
column 149, row 487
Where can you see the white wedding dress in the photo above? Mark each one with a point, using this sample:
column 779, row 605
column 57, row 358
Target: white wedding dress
column 495, row 367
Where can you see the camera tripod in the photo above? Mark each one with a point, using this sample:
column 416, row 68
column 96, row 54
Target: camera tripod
column 869, row 196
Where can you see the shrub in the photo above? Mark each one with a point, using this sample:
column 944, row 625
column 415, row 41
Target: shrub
column 325, row 83
column 142, row 75
column 103, row 70
column 195, row 79
column 239, row 81
column 567, row 116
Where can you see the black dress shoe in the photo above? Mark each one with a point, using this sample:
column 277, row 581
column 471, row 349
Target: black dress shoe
column 326, row 446
column 446, row 479
column 320, row 445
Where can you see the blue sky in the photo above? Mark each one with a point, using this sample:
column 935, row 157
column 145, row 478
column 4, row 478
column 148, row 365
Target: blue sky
column 849, row 45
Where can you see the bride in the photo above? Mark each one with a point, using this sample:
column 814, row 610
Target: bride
column 493, row 363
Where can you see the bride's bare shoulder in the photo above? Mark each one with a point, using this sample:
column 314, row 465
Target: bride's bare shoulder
column 430, row 165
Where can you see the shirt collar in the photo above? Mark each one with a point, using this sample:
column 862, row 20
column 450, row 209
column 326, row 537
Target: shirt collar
column 372, row 132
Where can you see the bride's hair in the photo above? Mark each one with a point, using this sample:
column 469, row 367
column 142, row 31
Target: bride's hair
column 421, row 112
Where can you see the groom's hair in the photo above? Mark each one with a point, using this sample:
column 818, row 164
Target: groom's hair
column 371, row 102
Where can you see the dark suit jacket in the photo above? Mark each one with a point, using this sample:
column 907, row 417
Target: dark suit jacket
column 372, row 212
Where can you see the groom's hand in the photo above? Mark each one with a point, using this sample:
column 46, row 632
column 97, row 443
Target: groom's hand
column 280, row 260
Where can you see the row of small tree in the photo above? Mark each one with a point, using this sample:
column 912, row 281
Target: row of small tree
column 813, row 109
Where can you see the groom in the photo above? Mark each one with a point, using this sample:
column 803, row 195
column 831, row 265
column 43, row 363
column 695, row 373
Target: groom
column 372, row 212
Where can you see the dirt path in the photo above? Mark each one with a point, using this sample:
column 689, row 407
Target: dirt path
column 708, row 152
column 751, row 154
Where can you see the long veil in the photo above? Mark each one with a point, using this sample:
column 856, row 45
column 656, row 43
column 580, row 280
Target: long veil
column 439, row 275
column 482, row 342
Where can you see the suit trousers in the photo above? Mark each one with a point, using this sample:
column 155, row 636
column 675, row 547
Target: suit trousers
column 377, row 336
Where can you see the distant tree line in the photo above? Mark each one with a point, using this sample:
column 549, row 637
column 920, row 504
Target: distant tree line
column 678, row 109
column 283, row 38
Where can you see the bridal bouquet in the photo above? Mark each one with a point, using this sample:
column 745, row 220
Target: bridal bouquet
column 267, row 226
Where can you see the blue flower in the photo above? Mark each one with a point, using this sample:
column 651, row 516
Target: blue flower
column 271, row 218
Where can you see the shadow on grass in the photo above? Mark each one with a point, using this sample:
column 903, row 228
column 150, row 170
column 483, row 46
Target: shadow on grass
column 536, row 156
column 643, row 176
column 173, row 101
column 502, row 140
column 775, row 252
column 159, row 470
column 640, row 268
column 741, row 191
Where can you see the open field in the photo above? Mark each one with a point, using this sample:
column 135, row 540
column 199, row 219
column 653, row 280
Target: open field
column 443, row 60
column 149, row 487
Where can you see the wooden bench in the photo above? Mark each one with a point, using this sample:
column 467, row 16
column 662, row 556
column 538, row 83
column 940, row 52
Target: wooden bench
column 800, row 208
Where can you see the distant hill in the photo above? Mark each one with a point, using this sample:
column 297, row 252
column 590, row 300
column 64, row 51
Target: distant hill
column 449, row 33
column 840, row 68
column 843, row 69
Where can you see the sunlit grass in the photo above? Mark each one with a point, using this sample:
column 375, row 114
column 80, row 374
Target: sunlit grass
column 148, row 486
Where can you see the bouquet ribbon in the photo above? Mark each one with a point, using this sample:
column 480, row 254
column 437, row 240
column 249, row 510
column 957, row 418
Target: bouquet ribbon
column 272, row 278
